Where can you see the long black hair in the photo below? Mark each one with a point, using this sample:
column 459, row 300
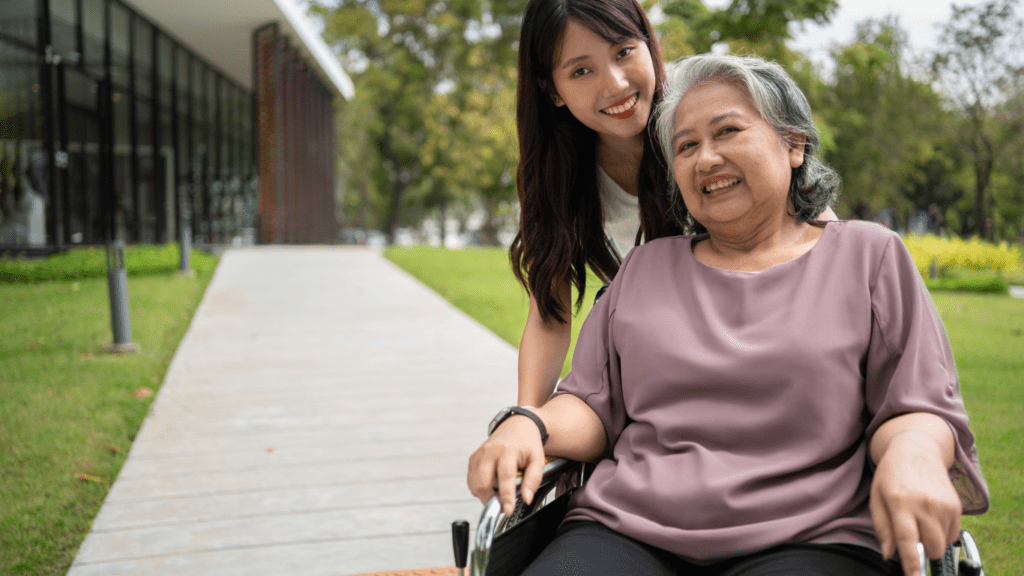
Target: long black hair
column 561, row 227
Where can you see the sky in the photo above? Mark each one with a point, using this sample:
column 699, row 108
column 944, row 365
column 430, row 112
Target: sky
column 918, row 17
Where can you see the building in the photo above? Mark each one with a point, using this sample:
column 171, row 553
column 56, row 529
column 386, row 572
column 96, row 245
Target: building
column 142, row 119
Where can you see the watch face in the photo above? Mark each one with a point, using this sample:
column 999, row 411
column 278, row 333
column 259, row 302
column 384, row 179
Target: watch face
column 502, row 414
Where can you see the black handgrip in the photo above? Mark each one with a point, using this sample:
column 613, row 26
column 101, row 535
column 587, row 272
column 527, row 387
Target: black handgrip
column 460, row 542
column 969, row 568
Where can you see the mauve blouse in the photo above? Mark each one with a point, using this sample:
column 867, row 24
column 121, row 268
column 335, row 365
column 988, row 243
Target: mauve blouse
column 738, row 406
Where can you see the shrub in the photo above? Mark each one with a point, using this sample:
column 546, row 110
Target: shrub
column 91, row 262
column 983, row 285
column 951, row 254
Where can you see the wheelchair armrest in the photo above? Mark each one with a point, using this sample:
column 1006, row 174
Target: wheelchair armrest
column 548, row 507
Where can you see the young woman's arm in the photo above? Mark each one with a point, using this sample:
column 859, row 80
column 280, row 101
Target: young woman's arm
column 574, row 430
column 542, row 353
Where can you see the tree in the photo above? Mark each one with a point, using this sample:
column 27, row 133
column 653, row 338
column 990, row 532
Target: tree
column 403, row 53
column 886, row 126
column 758, row 26
column 981, row 59
column 472, row 147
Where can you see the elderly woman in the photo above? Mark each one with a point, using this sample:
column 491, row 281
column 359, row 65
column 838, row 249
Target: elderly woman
column 772, row 395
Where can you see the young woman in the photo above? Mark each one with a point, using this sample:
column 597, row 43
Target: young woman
column 590, row 72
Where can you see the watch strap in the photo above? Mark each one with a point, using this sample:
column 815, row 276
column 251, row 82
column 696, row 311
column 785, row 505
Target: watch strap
column 512, row 410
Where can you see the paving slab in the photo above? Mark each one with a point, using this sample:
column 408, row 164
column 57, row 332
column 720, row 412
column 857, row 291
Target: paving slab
column 316, row 420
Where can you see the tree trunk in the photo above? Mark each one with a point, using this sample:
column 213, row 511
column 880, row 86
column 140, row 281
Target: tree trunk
column 982, row 173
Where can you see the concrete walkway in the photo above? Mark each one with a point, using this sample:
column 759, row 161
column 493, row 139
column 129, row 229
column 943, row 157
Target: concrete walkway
column 316, row 420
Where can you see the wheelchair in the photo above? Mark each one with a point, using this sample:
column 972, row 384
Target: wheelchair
column 506, row 545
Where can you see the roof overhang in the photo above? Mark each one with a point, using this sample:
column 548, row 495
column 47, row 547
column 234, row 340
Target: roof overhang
column 221, row 33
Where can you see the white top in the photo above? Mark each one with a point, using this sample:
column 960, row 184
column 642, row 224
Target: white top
column 621, row 213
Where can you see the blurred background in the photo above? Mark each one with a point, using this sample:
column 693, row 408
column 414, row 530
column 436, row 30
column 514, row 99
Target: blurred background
column 392, row 121
column 920, row 105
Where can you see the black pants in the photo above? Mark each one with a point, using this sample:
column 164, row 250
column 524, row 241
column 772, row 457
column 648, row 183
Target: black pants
column 590, row 548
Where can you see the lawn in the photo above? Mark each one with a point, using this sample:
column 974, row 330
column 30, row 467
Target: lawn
column 69, row 411
column 986, row 332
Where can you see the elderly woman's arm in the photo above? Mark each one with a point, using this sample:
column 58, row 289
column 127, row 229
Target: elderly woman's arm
column 912, row 498
column 574, row 432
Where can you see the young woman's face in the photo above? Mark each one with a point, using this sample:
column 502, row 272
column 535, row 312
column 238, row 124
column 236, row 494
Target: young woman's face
column 608, row 87
column 731, row 165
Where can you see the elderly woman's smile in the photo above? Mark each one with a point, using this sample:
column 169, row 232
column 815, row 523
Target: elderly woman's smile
column 716, row 183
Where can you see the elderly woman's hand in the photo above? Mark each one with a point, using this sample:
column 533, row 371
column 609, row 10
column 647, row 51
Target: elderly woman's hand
column 912, row 498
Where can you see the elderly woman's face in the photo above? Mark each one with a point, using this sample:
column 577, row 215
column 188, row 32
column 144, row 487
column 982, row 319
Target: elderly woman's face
column 733, row 168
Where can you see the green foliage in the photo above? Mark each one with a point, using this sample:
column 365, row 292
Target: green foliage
column 984, row 331
column 980, row 285
column 81, row 263
column 68, row 411
column 952, row 254
column 884, row 123
column 978, row 67
column 748, row 26
column 432, row 125
column 418, row 67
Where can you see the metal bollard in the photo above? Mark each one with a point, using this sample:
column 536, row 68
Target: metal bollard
column 185, row 264
column 117, row 282
column 933, row 269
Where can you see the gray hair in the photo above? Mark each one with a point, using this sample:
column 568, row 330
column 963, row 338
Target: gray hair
column 814, row 185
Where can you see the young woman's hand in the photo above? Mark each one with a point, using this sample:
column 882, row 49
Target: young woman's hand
column 574, row 431
column 514, row 446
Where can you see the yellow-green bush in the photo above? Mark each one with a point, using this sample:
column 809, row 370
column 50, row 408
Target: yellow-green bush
column 954, row 253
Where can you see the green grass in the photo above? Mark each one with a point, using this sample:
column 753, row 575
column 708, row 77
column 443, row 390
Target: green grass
column 986, row 332
column 479, row 282
column 68, row 411
column 987, row 336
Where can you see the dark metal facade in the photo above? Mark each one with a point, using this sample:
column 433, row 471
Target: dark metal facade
column 294, row 145
column 112, row 129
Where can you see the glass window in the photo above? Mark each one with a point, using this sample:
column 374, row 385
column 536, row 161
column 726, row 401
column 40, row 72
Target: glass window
column 212, row 118
column 181, row 77
column 19, row 19
column 124, row 215
column 22, row 162
column 143, row 184
column 165, row 69
column 81, row 90
column 165, row 171
column 248, row 150
column 93, row 34
column 63, row 23
column 143, row 54
column 119, row 44
column 199, row 151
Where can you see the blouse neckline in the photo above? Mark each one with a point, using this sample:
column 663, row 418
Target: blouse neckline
column 826, row 236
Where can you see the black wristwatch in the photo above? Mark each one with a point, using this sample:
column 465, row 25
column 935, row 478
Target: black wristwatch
column 506, row 412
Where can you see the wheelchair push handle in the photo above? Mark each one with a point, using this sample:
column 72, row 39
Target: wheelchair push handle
column 460, row 542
